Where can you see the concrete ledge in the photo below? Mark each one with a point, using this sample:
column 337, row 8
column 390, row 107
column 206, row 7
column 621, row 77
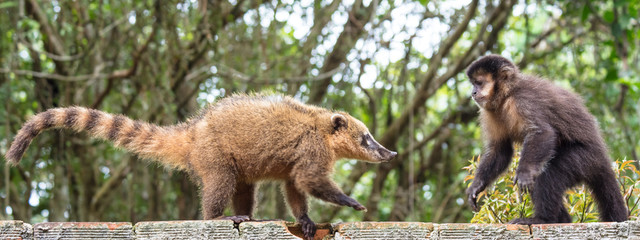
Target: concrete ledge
column 83, row 230
column 226, row 229
column 211, row 229
column 15, row 230
column 634, row 230
column 481, row 231
column 258, row 230
column 382, row 230
column 611, row 230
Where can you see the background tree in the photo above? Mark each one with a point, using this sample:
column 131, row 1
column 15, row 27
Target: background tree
column 396, row 65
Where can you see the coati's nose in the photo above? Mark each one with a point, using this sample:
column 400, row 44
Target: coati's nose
column 389, row 155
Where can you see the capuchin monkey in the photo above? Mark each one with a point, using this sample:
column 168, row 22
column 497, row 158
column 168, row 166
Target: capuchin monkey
column 561, row 142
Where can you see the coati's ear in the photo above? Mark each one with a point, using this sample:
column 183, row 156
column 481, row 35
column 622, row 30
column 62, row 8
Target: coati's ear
column 338, row 121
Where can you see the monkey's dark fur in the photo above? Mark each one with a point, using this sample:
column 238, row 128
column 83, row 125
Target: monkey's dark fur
column 232, row 145
column 561, row 142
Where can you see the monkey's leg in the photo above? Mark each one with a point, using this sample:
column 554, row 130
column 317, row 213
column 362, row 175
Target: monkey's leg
column 244, row 199
column 313, row 179
column 298, row 204
column 547, row 193
column 607, row 194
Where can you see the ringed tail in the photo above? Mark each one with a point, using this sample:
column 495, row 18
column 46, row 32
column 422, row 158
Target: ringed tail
column 169, row 145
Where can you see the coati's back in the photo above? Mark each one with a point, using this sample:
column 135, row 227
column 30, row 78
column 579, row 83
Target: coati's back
column 256, row 131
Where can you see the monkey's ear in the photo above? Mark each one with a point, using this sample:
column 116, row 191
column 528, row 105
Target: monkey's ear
column 506, row 72
column 338, row 121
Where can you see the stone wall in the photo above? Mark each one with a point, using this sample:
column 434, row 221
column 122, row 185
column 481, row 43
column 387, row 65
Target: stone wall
column 223, row 229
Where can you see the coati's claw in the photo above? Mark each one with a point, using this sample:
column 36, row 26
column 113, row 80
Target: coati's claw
column 308, row 227
column 237, row 219
column 360, row 208
column 350, row 202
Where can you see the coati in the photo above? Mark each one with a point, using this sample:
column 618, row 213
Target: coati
column 231, row 145
column 561, row 142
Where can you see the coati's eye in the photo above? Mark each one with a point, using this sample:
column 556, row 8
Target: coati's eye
column 365, row 140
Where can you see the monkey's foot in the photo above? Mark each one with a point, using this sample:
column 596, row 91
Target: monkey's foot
column 237, row 219
column 308, row 227
column 527, row 221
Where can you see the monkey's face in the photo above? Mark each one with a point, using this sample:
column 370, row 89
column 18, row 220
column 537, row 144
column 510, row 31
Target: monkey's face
column 482, row 88
column 350, row 138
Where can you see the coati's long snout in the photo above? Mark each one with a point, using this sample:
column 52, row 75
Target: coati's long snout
column 377, row 151
column 386, row 155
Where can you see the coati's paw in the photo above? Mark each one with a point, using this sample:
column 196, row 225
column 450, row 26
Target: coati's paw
column 237, row 219
column 527, row 221
column 350, row 202
column 308, row 227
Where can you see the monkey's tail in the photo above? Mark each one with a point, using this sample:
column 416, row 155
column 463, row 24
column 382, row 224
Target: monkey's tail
column 169, row 145
column 607, row 194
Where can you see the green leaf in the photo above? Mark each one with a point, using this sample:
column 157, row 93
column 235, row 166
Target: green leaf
column 612, row 75
column 624, row 21
column 585, row 13
column 608, row 16
column 7, row 4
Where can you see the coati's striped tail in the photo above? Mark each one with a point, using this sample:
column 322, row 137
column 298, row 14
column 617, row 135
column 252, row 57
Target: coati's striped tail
column 167, row 144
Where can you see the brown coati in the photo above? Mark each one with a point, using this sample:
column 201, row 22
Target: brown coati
column 233, row 144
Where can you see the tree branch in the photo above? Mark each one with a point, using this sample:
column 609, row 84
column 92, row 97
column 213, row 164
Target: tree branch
column 353, row 30
column 399, row 125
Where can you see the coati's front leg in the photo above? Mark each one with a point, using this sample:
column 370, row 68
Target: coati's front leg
column 298, row 204
column 314, row 179
column 217, row 187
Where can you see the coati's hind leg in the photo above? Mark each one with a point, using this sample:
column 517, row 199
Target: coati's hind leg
column 244, row 199
column 298, row 204
column 218, row 185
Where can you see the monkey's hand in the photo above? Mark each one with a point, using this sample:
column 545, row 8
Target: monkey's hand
column 525, row 178
column 350, row 202
column 472, row 195
column 308, row 227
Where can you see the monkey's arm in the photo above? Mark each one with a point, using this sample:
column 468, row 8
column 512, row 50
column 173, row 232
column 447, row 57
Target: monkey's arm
column 537, row 149
column 495, row 161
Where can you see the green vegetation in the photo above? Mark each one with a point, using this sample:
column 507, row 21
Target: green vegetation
column 503, row 201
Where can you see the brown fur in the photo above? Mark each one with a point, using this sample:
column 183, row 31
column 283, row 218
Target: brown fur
column 233, row 144
column 561, row 143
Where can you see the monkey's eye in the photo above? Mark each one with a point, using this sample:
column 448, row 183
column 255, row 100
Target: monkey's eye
column 479, row 83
